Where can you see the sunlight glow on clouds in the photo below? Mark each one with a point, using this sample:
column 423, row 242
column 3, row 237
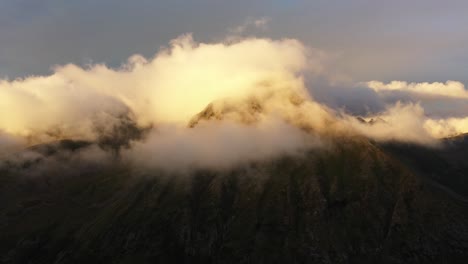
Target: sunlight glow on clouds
column 206, row 104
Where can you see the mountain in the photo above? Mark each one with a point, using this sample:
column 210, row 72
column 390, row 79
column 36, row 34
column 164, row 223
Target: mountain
column 444, row 164
column 355, row 202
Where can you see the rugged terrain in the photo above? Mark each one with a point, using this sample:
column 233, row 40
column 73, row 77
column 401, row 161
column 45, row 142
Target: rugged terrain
column 354, row 202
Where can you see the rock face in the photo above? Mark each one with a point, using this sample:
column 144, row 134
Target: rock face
column 352, row 203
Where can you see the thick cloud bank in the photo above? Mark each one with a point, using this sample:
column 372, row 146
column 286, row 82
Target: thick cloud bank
column 201, row 105
column 172, row 87
column 254, row 87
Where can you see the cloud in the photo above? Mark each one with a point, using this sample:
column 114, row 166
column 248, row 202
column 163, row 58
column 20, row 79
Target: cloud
column 447, row 127
column 262, row 22
column 147, row 105
column 211, row 105
column 219, row 145
column 172, row 87
column 251, row 24
column 399, row 122
column 407, row 123
column 449, row 88
column 9, row 143
column 359, row 99
column 54, row 158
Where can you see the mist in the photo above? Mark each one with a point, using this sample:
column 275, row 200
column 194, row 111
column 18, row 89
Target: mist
column 219, row 145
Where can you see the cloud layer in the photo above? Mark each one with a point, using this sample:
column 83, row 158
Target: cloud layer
column 207, row 105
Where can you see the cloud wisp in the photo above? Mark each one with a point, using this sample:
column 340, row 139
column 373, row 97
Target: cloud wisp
column 449, row 88
column 251, row 24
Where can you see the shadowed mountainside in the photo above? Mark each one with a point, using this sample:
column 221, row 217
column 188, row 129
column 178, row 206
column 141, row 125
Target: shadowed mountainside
column 445, row 165
column 351, row 203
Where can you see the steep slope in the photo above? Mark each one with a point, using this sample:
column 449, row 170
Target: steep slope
column 445, row 164
column 350, row 203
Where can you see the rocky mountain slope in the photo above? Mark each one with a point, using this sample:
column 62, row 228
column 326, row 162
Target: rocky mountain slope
column 354, row 202
column 444, row 164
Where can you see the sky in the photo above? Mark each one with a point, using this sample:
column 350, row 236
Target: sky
column 412, row 41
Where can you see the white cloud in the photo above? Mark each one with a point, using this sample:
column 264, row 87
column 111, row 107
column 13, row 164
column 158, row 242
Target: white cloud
column 447, row 127
column 449, row 88
column 167, row 91
column 407, row 123
column 172, row 87
column 399, row 122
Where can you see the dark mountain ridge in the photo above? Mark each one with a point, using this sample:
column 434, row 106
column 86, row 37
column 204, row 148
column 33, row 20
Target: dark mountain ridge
column 356, row 202
column 445, row 164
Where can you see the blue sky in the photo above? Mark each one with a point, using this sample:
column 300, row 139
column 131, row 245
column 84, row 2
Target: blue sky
column 383, row 40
